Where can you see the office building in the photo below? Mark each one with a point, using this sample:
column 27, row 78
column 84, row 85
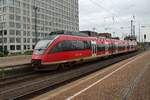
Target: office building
column 19, row 18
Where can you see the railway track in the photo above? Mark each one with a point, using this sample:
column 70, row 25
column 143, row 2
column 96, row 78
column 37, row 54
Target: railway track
column 37, row 82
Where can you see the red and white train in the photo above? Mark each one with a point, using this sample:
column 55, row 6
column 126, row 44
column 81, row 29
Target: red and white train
column 67, row 49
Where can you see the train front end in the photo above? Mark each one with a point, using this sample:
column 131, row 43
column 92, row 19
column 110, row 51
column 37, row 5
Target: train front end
column 39, row 52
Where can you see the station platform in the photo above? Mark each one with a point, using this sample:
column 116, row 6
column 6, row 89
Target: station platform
column 126, row 80
column 14, row 60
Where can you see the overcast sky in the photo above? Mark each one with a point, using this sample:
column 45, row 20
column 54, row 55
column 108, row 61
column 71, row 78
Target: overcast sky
column 114, row 16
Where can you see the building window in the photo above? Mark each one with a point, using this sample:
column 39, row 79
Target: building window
column 4, row 9
column 28, row 40
column 18, row 33
column 12, row 47
column 11, row 2
column 5, row 40
column 24, row 26
column 18, row 11
column 12, row 40
column 24, row 19
column 11, row 17
column 33, row 46
column 24, row 33
column 12, row 32
column 18, row 25
column 28, row 34
column 12, row 24
column 24, row 40
column 18, row 40
column 5, row 32
column 28, row 47
column 11, row 9
column 0, row 40
column 17, row 3
column 24, row 47
column 18, row 47
column 18, row 18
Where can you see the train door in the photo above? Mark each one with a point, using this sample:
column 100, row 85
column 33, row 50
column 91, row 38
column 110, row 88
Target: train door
column 117, row 47
column 106, row 48
column 113, row 48
column 94, row 48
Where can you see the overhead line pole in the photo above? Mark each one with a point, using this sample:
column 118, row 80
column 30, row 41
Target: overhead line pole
column 2, row 38
column 35, row 11
column 139, row 32
column 131, row 27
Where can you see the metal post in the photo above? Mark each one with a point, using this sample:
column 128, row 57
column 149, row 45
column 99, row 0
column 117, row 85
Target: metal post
column 35, row 10
column 144, row 41
column 134, row 30
column 139, row 32
column 2, row 38
column 131, row 27
column 114, row 34
column 93, row 32
column 36, row 25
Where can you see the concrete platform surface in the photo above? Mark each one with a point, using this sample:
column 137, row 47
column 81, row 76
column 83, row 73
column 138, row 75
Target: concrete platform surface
column 14, row 60
column 126, row 80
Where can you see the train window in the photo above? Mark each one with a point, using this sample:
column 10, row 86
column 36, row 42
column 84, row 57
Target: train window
column 74, row 45
column 113, row 47
column 110, row 47
column 119, row 47
column 62, row 46
column 57, row 48
column 43, row 44
column 69, row 45
column 87, row 45
column 101, row 47
column 106, row 46
column 79, row 45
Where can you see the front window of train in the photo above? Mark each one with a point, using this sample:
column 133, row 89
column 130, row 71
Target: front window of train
column 41, row 46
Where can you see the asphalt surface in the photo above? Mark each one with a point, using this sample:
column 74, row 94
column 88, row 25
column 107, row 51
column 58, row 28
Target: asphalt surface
column 126, row 80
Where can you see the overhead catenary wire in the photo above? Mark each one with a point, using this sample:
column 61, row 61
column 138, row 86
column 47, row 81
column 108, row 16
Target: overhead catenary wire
column 92, row 21
column 104, row 8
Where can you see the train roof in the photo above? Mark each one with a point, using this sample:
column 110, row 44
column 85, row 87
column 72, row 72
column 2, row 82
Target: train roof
column 68, row 33
column 52, row 37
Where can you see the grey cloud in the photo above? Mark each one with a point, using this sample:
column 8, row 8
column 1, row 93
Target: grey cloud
column 113, row 14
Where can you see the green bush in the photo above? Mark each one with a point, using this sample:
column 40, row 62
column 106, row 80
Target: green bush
column 29, row 52
column 1, row 54
column 6, row 52
column 15, row 54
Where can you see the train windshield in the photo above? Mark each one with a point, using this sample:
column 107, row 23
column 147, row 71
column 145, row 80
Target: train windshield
column 43, row 44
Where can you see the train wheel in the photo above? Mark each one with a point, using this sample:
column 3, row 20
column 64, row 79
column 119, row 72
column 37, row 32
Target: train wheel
column 61, row 67
column 65, row 66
